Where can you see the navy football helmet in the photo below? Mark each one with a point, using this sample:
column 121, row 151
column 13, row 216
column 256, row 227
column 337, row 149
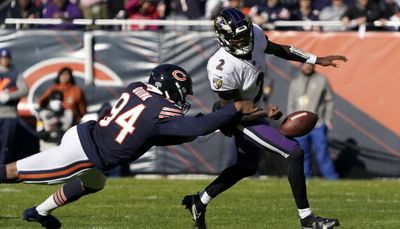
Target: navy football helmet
column 174, row 82
column 234, row 31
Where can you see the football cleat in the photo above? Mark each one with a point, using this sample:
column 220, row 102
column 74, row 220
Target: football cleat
column 48, row 221
column 198, row 212
column 315, row 222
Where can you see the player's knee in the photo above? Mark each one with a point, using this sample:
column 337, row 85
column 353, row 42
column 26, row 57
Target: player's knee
column 93, row 180
column 296, row 155
column 94, row 186
column 89, row 190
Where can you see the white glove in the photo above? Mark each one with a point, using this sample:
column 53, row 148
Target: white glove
column 4, row 97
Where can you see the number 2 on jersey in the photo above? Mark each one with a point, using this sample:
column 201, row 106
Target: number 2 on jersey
column 221, row 63
column 125, row 120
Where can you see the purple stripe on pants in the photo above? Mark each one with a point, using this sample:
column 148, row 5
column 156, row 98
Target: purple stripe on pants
column 266, row 136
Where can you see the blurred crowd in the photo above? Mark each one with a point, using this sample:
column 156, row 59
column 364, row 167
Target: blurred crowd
column 61, row 106
column 351, row 13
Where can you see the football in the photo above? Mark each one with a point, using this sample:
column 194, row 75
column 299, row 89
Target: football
column 298, row 123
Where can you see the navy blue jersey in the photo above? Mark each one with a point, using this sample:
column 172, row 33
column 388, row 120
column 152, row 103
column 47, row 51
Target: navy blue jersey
column 140, row 119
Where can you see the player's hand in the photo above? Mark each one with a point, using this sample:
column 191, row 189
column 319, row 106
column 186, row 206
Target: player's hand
column 273, row 112
column 329, row 60
column 245, row 107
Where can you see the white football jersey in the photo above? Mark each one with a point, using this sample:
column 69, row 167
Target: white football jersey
column 227, row 72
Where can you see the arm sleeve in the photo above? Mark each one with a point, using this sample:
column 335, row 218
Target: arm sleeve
column 282, row 51
column 197, row 125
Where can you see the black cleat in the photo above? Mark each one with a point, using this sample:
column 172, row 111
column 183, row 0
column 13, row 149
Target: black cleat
column 48, row 221
column 315, row 222
column 198, row 211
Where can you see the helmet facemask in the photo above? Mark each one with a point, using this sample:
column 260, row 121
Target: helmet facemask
column 179, row 95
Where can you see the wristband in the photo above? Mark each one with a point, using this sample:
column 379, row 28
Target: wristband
column 312, row 59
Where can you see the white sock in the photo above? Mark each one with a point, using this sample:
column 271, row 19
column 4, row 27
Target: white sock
column 204, row 197
column 303, row 213
column 47, row 206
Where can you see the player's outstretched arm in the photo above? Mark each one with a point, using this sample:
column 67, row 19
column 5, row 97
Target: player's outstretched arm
column 292, row 53
column 204, row 124
column 271, row 111
column 226, row 97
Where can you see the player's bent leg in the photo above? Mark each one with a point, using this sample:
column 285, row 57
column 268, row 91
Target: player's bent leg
column 270, row 138
column 88, row 182
column 56, row 165
column 224, row 181
column 248, row 157
column 267, row 137
column 297, row 179
column 305, row 144
column 70, row 192
column 297, row 183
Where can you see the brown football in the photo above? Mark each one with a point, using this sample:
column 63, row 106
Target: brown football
column 298, row 123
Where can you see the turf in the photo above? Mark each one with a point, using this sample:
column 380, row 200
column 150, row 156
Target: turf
column 251, row 204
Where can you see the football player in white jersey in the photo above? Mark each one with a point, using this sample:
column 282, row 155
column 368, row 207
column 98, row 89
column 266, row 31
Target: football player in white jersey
column 236, row 72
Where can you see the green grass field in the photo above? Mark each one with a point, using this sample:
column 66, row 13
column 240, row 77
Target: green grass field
column 251, row 204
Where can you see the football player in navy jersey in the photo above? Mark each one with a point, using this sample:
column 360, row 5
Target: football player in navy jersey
column 144, row 116
column 236, row 72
